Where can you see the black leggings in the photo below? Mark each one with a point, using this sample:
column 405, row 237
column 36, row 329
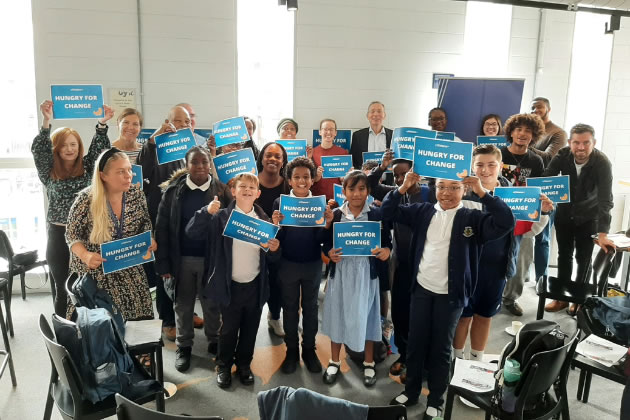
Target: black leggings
column 58, row 257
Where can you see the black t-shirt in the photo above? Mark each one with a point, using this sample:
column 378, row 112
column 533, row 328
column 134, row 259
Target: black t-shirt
column 269, row 195
column 517, row 168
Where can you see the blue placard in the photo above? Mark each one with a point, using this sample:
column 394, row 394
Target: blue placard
column 303, row 211
column 376, row 157
column 442, row 158
column 343, row 139
column 228, row 165
column 357, row 239
column 127, row 252
column 340, row 198
column 204, row 132
column 294, row 148
column 145, row 135
column 556, row 188
column 524, row 201
column 336, row 166
column 403, row 140
column 444, row 135
column 249, row 229
column 498, row 141
column 136, row 178
column 173, row 146
column 232, row 130
column 71, row 102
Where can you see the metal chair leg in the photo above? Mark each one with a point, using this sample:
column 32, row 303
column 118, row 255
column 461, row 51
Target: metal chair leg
column 7, row 350
column 7, row 305
column 23, row 285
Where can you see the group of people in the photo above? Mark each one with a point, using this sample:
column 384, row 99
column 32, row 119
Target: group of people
column 456, row 255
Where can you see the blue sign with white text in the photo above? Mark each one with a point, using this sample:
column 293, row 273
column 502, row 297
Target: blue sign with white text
column 174, row 146
column 336, row 166
column 232, row 130
column 204, row 132
column 126, row 252
column 357, row 239
column 556, row 188
column 498, row 141
column 136, row 177
column 303, row 211
column 376, row 157
column 228, row 165
column 145, row 135
column 72, row 102
column 343, row 139
column 250, row 229
column 403, row 141
column 443, row 135
column 523, row 201
column 442, row 158
column 294, row 148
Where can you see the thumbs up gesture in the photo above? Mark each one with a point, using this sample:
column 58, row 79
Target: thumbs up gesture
column 214, row 206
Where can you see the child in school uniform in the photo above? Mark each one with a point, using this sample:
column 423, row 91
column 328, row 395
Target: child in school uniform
column 300, row 272
column 446, row 245
column 352, row 306
column 238, row 285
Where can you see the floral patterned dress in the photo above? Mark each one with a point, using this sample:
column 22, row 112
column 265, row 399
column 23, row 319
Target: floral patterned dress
column 128, row 288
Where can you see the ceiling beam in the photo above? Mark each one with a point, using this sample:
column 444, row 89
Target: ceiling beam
column 558, row 6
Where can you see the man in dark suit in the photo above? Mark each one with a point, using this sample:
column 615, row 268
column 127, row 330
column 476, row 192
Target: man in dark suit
column 375, row 138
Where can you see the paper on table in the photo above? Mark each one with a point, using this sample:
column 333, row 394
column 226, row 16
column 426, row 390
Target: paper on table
column 620, row 240
column 474, row 376
column 142, row 332
column 601, row 350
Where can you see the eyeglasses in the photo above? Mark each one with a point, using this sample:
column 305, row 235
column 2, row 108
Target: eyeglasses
column 452, row 188
column 490, row 124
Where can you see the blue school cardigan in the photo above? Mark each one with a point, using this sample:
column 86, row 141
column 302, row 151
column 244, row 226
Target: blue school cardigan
column 471, row 229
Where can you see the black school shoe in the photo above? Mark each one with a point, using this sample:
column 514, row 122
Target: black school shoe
column 369, row 375
column 331, row 378
column 245, row 375
column 403, row 399
column 311, row 361
column 182, row 358
column 224, row 377
column 289, row 365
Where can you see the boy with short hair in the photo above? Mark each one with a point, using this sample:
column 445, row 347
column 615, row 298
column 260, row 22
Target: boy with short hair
column 446, row 244
column 239, row 286
column 300, row 272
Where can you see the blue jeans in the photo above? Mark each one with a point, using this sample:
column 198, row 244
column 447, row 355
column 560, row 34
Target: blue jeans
column 541, row 248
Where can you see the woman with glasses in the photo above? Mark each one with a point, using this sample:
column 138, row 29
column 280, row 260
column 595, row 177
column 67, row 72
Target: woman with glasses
column 491, row 125
column 328, row 132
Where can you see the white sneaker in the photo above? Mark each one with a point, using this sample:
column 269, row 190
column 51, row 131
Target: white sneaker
column 275, row 325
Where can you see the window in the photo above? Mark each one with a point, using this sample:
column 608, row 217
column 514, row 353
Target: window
column 265, row 43
column 590, row 71
column 486, row 39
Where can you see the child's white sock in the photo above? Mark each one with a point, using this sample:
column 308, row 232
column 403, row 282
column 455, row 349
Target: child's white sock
column 333, row 367
column 432, row 411
column 476, row 355
column 368, row 369
column 459, row 353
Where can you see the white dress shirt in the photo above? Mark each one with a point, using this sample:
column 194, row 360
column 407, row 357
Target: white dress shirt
column 377, row 142
column 245, row 257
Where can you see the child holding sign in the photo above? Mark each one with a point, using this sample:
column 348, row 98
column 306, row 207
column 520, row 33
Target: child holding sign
column 328, row 131
column 239, row 285
column 300, row 272
column 351, row 306
column 446, row 245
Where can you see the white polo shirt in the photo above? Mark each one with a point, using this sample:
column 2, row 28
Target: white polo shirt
column 433, row 270
column 245, row 257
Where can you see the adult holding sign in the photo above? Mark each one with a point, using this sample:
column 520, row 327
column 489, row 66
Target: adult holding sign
column 129, row 126
column 271, row 163
column 112, row 208
column 588, row 213
column 351, row 306
column 64, row 171
column 328, row 132
column 182, row 260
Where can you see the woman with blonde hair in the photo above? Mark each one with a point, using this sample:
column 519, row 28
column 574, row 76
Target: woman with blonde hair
column 110, row 209
column 64, row 171
column 129, row 125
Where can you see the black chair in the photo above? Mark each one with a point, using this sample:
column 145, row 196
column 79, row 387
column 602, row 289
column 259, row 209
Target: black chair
column 19, row 263
column 66, row 387
column 549, row 287
column 589, row 367
column 129, row 410
column 8, row 358
column 545, row 370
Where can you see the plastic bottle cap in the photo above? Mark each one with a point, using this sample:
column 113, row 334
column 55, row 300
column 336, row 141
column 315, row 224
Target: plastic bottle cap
column 512, row 370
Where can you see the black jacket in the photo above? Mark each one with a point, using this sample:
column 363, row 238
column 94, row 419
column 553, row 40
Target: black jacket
column 218, row 287
column 591, row 193
column 359, row 145
column 168, row 231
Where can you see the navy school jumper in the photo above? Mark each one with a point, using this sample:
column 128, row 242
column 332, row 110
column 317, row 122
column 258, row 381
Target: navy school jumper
column 471, row 229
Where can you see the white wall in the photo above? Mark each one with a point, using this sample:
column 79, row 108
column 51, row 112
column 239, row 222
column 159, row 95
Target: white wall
column 188, row 51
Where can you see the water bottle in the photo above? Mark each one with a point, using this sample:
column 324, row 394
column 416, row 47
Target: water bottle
column 511, row 376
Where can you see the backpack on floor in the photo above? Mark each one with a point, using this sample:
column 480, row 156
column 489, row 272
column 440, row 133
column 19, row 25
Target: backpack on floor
column 89, row 295
column 98, row 352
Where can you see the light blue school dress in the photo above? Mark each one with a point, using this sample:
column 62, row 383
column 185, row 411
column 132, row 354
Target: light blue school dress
column 352, row 302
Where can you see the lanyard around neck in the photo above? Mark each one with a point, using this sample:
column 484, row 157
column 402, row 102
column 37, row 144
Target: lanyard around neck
column 119, row 225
